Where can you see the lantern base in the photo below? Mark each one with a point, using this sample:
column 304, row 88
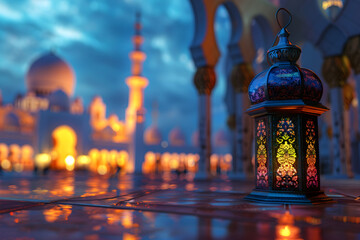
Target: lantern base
column 288, row 198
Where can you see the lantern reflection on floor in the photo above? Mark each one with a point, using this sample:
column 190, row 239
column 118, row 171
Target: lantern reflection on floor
column 286, row 230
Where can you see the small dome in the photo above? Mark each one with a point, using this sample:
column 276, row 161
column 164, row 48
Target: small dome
column 12, row 122
column 59, row 101
column 285, row 80
column 152, row 136
column 49, row 73
column 221, row 138
column 108, row 131
column 176, row 137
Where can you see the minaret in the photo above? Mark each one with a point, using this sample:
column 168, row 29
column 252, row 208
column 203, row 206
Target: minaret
column 135, row 112
column 136, row 82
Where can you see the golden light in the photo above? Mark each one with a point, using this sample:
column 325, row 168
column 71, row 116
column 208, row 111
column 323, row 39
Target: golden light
column 42, row 160
column 115, row 126
column 5, row 164
column 332, row 3
column 284, row 231
column 27, row 157
column 174, row 164
column 127, row 220
column 53, row 214
column 18, row 167
column 14, row 155
column 128, row 236
column 355, row 102
column 3, row 151
column 191, row 162
column 174, row 161
column 83, row 161
column 214, row 159
column 102, row 169
column 94, row 158
column 150, row 157
column 70, row 163
column 64, row 138
column 228, row 158
column 122, row 158
column 113, row 156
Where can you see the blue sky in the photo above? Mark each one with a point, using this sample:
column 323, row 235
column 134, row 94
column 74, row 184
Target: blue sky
column 95, row 38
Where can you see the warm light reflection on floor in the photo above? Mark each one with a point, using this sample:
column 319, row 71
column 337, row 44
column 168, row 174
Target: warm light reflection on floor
column 90, row 206
column 57, row 213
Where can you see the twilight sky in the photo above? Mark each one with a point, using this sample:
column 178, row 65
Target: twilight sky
column 95, row 38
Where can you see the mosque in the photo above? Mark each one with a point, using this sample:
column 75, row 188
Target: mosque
column 48, row 127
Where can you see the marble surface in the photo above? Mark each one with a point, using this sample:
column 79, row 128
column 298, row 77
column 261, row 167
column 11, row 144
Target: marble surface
column 84, row 206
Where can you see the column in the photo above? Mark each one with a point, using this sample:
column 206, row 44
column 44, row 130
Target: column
column 335, row 71
column 204, row 81
column 352, row 51
column 241, row 77
column 357, row 81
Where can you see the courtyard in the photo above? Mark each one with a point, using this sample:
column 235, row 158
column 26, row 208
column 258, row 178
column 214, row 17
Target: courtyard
column 85, row 206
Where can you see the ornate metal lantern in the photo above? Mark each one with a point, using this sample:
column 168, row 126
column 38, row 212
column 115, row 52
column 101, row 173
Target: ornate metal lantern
column 285, row 104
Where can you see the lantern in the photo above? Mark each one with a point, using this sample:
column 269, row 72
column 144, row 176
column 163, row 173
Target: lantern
column 285, row 104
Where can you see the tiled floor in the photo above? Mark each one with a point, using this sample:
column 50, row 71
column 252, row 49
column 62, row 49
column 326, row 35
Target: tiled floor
column 64, row 206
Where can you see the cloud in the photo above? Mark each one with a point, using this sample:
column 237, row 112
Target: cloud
column 95, row 38
column 9, row 14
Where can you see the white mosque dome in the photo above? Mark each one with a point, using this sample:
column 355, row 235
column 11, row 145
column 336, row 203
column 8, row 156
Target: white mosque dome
column 49, row 73
column 221, row 138
column 152, row 136
column 176, row 137
column 59, row 101
column 11, row 121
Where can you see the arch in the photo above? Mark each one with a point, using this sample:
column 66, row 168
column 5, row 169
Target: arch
column 123, row 158
column 174, row 161
column 4, row 151
column 27, row 157
column 64, row 144
column 113, row 156
column 203, row 47
column 165, row 161
column 262, row 37
column 94, row 155
column 103, row 165
column 236, row 31
column 248, row 10
column 14, row 157
column 332, row 41
column 149, row 164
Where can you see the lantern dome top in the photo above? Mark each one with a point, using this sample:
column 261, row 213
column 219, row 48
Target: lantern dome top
column 285, row 80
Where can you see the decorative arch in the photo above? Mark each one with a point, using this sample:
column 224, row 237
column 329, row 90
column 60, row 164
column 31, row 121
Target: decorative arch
column 263, row 38
column 204, row 48
column 64, row 144
column 332, row 41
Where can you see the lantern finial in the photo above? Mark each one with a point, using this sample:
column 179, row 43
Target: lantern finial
column 284, row 51
column 277, row 17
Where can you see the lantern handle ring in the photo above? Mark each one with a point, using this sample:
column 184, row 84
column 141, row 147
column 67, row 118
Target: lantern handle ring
column 277, row 17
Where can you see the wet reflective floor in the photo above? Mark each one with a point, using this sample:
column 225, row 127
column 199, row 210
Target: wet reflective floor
column 65, row 206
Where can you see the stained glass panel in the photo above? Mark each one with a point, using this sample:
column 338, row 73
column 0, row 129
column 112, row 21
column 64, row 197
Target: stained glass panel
column 262, row 180
column 286, row 173
column 312, row 179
